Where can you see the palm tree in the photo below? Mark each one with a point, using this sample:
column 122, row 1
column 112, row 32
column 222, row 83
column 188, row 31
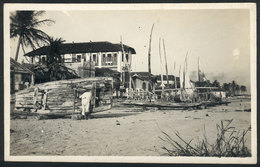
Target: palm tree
column 216, row 83
column 54, row 55
column 237, row 89
column 233, row 87
column 226, row 87
column 24, row 25
column 243, row 88
column 56, row 69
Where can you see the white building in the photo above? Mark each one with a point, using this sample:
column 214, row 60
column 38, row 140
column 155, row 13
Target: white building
column 102, row 54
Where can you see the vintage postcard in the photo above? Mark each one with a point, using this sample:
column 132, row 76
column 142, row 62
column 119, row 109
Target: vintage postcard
column 135, row 83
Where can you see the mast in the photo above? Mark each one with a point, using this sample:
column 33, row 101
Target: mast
column 149, row 56
column 166, row 68
column 161, row 63
column 175, row 81
column 199, row 70
column 185, row 69
column 180, row 76
column 183, row 78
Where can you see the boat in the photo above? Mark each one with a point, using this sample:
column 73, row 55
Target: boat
column 63, row 97
column 164, row 105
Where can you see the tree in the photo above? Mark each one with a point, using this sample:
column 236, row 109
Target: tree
column 233, row 87
column 216, row 84
column 237, row 89
column 54, row 55
column 24, row 25
column 227, row 88
column 243, row 88
column 56, row 69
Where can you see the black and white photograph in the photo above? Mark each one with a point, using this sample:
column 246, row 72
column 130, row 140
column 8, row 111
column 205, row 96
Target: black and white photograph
column 143, row 83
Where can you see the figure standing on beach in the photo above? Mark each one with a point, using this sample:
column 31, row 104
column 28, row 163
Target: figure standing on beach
column 85, row 101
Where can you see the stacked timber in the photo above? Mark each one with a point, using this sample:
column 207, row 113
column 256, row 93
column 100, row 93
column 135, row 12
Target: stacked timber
column 62, row 96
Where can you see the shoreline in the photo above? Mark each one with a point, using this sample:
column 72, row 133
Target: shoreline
column 121, row 131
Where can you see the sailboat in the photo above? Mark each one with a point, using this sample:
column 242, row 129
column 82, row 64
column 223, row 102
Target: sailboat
column 185, row 93
column 160, row 104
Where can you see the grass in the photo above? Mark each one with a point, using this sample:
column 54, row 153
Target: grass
column 229, row 143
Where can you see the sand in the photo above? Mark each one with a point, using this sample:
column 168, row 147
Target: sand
column 122, row 131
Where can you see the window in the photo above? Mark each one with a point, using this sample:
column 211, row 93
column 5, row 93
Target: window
column 114, row 61
column 122, row 57
column 115, row 57
column 109, row 57
column 78, row 58
column 43, row 60
column 104, row 57
column 127, row 57
column 94, row 57
column 144, row 86
column 97, row 61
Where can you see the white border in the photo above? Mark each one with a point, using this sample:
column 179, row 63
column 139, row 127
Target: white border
column 130, row 159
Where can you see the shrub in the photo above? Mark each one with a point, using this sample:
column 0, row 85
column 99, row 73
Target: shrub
column 229, row 143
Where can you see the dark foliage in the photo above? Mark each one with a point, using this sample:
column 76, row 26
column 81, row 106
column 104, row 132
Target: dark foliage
column 24, row 25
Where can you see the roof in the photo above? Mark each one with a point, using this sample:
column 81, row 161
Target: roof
column 28, row 66
column 142, row 75
column 86, row 47
column 19, row 68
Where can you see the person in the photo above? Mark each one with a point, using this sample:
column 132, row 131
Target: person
column 85, row 102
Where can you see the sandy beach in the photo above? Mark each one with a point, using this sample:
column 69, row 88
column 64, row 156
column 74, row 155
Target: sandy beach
column 123, row 131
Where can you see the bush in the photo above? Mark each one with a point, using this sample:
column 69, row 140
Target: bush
column 229, row 143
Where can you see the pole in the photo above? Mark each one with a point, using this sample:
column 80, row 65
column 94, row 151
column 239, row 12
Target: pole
column 175, row 81
column 180, row 76
column 161, row 66
column 166, row 67
column 199, row 70
column 185, row 69
column 149, row 56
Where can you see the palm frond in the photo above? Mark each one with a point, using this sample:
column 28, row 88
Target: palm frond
column 25, row 23
column 42, row 22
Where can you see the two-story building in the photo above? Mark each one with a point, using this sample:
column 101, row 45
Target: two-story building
column 102, row 54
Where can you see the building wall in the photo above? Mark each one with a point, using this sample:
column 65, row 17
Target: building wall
column 114, row 60
column 165, row 82
column 220, row 94
column 139, row 84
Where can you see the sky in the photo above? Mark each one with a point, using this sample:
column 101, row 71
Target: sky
column 219, row 37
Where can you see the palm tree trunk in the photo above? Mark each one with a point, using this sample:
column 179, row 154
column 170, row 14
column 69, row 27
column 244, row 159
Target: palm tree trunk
column 18, row 48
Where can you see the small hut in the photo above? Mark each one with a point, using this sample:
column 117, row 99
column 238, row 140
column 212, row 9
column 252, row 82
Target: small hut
column 21, row 77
